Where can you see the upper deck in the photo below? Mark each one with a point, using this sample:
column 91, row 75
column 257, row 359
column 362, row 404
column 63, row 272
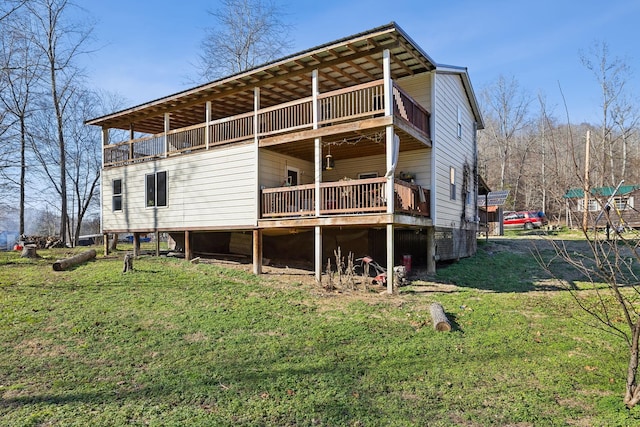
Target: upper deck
column 272, row 125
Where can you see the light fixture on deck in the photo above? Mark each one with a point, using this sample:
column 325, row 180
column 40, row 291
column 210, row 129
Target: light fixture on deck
column 329, row 161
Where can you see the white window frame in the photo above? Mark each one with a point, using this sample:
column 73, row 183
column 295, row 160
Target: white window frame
column 154, row 203
column 452, row 183
column 115, row 195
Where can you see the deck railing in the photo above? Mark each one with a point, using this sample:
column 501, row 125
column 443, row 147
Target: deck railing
column 359, row 196
column 353, row 103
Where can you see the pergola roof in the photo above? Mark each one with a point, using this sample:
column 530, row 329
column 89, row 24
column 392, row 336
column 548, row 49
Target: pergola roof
column 346, row 62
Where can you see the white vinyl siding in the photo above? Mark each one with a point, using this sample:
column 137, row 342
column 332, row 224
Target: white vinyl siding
column 273, row 169
column 215, row 188
column 452, row 107
column 417, row 162
column 419, row 88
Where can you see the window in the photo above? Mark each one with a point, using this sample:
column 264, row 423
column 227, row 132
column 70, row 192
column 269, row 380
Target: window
column 459, row 122
column 367, row 175
column 452, row 183
column 116, row 198
column 593, row 205
column 156, row 189
column 621, row 203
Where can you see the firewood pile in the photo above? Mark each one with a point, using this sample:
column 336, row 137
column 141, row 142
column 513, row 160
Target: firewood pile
column 42, row 242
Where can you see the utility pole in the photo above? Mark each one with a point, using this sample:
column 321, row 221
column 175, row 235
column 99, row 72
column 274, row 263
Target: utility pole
column 585, row 210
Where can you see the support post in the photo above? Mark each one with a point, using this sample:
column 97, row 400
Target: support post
column 105, row 243
column 257, row 251
column 136, row 244
column 431, row 250
column 207, row 128
column 188, row 255
column 156, row 237
column 318, row 253
column 390, row 250
column 167, row 127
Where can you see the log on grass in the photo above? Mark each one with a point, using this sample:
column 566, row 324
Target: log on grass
column 63, row 264
column 440, row 321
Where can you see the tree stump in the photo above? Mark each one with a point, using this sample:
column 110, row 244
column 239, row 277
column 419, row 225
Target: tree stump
column 128, row 263
column 29, row 251
column 440, row 321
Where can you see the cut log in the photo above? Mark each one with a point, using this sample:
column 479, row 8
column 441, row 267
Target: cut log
column 440, row 321
column 128, row 263
column 63, row 264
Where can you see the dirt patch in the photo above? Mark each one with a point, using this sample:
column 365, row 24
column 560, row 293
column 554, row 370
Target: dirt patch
column 282, row 273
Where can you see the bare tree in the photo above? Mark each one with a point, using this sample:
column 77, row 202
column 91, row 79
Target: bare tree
column 506, row 109
column 611, row 287
column 247, row 33
column 84, row 158
column 612, row 75
column 8, row 7
column 22, row 71
column 60, row 42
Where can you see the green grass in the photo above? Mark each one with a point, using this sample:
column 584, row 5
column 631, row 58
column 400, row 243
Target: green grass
column 180, row 344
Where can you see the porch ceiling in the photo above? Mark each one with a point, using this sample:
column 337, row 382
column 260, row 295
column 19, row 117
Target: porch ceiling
column 343, row 63
column 347, row 145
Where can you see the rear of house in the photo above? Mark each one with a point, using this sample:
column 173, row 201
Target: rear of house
column 363, row 144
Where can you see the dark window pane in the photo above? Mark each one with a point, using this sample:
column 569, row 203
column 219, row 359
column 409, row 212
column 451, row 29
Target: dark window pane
column 117, row 203
column 161, row 192
column 117, row 186
column 151, row 190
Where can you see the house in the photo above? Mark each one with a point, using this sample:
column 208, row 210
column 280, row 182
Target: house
column 621, row 200
column 364, row 143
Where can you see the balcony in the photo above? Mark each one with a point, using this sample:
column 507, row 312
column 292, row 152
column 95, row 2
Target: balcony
column 345, row 105
column 360, row 196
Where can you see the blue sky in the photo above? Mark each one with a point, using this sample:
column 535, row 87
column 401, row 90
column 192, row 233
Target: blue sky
column 148, row 48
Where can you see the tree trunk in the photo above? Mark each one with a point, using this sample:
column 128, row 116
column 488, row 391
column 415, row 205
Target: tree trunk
column 632, row 394
column 63, row 264
column 114, row 243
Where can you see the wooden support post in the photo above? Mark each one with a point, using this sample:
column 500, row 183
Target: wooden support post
column 156, row 237
column 136, row 244
column 318, row 253
column 431, row 250
column 188, row 255
column 390, row 250
column 105, row 243
column 440, row 321
column 257, row 251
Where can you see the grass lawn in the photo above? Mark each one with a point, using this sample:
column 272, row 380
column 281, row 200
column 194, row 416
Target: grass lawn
column 175, row 343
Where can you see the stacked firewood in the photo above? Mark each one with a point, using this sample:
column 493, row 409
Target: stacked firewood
column 41, row 242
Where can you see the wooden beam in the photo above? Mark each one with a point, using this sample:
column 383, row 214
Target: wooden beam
column 257, row 251
column 317, row 261
column 105, row 243
column 188, row 253
column 326, row 131
column 390, row 259
column 136, row 244
column 431, row 250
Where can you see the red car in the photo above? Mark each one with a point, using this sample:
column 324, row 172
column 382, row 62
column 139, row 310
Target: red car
column 525, row 219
